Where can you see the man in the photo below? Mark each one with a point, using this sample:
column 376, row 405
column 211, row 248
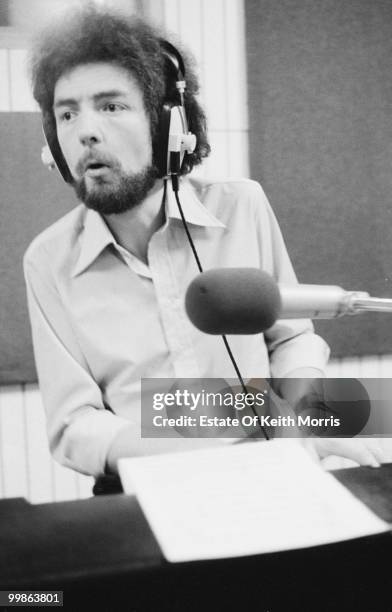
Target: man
column 106, row 283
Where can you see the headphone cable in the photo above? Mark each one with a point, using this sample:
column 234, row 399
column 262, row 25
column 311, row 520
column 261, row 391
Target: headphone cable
column 175, row 185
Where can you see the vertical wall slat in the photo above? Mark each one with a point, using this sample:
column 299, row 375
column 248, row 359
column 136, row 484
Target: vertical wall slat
column 238, row 157
column 84, row 485
column 189, row 20
column 13, row 448
column 5, row 94
column 334, row 369
column 171, row 15
column 369, row 366
column 386, row 366
column 217, row 163
column 21, row 97
column 65, row 485
column 350, row 368
column 153, row 10
column 215, row 92
column 235, row 63
column 39, row 458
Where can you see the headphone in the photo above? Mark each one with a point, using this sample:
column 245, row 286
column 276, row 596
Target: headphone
column 174, row 139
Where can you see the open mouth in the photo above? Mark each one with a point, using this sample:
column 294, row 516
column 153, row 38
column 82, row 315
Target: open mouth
column 95, row 168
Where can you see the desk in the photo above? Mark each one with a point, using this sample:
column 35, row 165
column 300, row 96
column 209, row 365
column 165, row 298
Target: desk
column 102, row 554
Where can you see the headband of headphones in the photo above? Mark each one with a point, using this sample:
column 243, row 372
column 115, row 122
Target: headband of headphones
column 174, row 139
column 174, row 57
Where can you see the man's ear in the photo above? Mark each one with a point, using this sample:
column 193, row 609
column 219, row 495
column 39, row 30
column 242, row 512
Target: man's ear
column 47, row 158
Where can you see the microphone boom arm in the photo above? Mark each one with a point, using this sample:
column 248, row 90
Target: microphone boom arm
column 372, row 304
column 327, row 302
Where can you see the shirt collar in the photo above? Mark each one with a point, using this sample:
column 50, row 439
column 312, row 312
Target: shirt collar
column 96, row 236
column 194, row 211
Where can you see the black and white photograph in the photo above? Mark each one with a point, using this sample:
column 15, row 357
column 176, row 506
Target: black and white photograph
column 196, row 305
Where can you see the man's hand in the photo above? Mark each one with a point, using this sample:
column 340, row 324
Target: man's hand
column 365, row 451
column 296, row 384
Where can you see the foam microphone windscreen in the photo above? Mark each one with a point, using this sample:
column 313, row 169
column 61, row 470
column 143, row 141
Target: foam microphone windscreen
column 233, row 301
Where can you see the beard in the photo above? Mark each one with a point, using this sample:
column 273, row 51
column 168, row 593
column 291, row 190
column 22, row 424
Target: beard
column 115, row 197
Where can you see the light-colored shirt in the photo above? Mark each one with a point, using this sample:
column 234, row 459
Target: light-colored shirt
column 102, row 319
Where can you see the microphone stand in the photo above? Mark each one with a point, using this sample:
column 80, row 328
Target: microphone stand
column 363, row 303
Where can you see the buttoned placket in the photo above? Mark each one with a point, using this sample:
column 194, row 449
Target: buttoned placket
column 170, row 300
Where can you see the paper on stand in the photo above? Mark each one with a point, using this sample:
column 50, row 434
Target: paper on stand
column 243, row 499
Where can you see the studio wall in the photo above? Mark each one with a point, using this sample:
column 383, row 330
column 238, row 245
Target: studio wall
column 320, row 132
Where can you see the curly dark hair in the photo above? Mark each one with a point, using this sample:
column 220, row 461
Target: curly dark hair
column 93, row 34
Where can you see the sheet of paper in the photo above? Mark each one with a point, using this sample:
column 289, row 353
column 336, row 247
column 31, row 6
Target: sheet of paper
column 244, row 499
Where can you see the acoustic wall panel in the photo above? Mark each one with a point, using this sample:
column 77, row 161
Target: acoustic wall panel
column 31, row 199
column 320, row 129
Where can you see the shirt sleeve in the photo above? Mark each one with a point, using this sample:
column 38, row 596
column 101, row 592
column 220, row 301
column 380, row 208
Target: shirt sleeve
column 80, row 428
column 291, row 343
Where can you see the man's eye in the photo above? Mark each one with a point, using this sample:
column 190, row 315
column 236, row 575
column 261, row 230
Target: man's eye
column 111, row 107
column 66, row 116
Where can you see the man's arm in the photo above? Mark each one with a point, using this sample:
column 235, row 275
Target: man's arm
column 292, row 343
column 83, row 434
column 125, row 444
column 80, row 429
column 296, row 352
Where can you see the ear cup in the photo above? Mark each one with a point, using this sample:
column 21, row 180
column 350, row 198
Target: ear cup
column 162, row 141
column 174, row 137
column 170, row 150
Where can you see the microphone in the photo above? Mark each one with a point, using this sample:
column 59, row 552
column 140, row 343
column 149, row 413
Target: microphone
column 249, row 301
column 233, row 301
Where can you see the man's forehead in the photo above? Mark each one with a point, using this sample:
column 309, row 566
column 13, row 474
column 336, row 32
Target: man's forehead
column 89, row 79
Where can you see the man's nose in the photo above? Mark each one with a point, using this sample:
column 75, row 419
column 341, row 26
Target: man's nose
column 89, row 130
